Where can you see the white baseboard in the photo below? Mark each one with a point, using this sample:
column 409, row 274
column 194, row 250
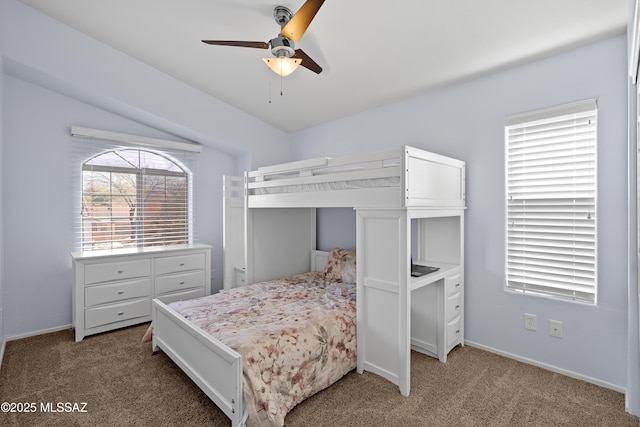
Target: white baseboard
column 40, row 332
column 549, row 367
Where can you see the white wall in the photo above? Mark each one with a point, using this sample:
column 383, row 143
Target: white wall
column 55, row 77
column 335, row 228
column 633, row 334
column 2, row 335
column 466, row 121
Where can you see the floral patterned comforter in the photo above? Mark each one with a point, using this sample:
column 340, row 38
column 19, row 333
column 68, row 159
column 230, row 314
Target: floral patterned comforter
column 296, row 336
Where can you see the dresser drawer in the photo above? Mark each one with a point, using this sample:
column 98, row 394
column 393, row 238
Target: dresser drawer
column 97, row 316
column 181, row 296
column 108, row 271
column 454, row 305
column 177, row 282
column 174, row 264
column 118, row 291
column 454, row 331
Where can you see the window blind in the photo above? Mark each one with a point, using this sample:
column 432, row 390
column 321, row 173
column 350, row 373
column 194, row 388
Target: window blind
column 129, row 196
column 551, row 201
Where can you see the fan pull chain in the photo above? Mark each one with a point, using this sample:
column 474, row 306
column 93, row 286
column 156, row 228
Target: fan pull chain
column 269, row 85
column 269, row 80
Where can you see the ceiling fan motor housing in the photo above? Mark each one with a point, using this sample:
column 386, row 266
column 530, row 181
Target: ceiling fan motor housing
column 282, row 47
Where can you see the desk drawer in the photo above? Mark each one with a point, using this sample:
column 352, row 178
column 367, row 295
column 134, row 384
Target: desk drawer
column 108, row 271
column 454, row 305
column 454, row 332
column 177, row 282
column 453, row 284
column 119, row 291
column 97, row 316
column 174, row 264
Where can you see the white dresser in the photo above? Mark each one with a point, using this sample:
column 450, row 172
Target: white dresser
column 114, row 289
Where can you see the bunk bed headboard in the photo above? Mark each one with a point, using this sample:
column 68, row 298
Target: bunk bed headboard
column 318, row 260
column 278, row 242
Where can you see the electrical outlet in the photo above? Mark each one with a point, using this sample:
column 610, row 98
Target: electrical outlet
column 213, row 274
column 530, row 322
column 555, row 328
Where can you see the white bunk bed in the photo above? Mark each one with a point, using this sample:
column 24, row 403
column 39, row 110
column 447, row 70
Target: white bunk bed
column 391, row 192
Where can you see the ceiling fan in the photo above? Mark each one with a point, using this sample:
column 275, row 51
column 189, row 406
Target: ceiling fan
column 287, row 58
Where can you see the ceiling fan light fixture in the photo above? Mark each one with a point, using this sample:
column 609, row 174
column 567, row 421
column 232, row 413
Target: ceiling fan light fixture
column 283, row 66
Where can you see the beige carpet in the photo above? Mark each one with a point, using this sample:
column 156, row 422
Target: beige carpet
column 122, row 384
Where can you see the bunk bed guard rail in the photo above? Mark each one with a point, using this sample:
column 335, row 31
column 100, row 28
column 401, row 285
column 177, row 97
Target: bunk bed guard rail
column 405, row 177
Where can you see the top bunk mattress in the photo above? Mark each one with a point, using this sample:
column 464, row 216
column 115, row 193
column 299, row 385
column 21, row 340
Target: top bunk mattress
column 353, row 184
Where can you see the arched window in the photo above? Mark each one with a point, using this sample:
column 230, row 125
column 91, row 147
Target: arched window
column 134, row 198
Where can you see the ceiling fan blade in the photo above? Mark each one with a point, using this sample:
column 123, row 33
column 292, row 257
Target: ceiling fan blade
column 298, row 24
column 307, row 62
column 258, row 45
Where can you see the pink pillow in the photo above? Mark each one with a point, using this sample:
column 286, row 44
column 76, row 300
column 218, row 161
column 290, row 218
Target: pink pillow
column 341, row 266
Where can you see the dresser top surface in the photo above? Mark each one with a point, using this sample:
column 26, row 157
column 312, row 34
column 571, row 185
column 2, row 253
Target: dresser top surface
column 151, row 250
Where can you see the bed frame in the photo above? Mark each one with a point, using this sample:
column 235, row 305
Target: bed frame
column 398, row 195
column 213, row 366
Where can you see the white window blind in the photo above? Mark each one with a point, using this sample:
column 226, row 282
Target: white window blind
column 551, row 201
column 131, row 197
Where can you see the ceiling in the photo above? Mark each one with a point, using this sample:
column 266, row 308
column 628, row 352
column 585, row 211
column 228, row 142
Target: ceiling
column 373, row 53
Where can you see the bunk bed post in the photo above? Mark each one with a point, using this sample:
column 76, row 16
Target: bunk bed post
column 233, row 227
column 248, row 232
column 384, row 297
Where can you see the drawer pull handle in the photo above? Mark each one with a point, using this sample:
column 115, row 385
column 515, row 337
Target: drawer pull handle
column 182, row 283
column 457, row 285
column 121, row 313
column 182, row 264
column 457, row 331
column 457, row 306
column 120, row 271
column 120, row 292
